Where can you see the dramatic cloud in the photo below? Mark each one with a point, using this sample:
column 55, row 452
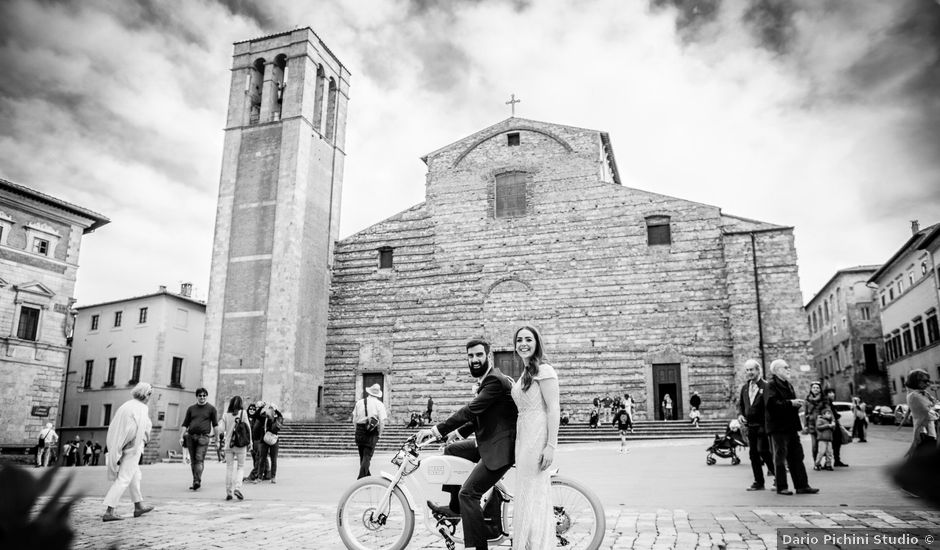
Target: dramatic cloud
column 823, row 115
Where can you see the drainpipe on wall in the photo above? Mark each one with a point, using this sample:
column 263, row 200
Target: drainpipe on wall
column 760, row 324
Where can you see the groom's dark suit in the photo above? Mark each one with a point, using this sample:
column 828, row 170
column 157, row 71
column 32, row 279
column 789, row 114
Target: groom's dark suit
column 492, row 416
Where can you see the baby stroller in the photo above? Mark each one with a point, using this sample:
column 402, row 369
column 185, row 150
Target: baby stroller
column 725, row 446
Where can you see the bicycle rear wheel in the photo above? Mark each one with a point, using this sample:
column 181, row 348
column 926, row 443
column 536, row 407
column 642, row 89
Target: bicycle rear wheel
column 359, row 525
column 579, row 516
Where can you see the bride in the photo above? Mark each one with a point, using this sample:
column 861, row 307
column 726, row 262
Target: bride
column 536, row 397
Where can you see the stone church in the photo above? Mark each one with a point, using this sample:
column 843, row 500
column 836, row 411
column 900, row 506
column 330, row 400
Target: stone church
column 523, row 222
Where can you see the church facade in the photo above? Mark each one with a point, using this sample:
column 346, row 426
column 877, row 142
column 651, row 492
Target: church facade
column 524, row 222
column 527, row 222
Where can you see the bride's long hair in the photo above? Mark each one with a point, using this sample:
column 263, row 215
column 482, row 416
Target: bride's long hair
column 531, row 367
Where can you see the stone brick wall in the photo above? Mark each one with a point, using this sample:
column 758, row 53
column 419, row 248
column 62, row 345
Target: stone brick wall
column 577, row 266
column 278, row 215
column 31, row 372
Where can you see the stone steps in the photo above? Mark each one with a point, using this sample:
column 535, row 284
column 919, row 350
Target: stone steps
column 322, row 439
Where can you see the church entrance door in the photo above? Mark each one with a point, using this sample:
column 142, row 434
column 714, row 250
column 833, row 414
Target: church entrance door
column 506, row 362
column 667, row 381
column 370, row 378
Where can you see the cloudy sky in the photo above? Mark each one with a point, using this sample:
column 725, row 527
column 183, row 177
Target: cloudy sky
column 820, row 114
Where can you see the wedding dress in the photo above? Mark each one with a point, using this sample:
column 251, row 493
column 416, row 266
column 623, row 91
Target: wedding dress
column 533, row 522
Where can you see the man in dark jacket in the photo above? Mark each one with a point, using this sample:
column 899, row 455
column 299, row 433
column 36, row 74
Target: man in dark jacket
column 491, row 415
column 751, row 416
column 782, row 421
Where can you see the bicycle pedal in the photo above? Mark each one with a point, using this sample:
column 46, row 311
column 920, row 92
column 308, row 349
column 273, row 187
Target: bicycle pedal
column 449, row 542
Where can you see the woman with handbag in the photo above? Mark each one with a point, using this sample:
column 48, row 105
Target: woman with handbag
column 237, row 431
column 273, row 420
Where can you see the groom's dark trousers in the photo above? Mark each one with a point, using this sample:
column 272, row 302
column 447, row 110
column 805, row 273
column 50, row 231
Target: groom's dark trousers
column 492, row 417
column 480, row 480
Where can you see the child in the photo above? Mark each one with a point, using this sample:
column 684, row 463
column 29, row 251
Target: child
column 622, row 423
column 824, row 427
column 695, row 415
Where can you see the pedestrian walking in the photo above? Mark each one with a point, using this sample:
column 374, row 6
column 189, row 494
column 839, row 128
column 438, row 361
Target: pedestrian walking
column 237, row 432
column 73, row 455
column 859, row 410
column 369, row 417
column 48, row 440
column 96, row 453
column 430, row 408
column 622, row 423
column 629, row 406
column 87, row 453
column 667, row 407
column 128, row 433
column 201, row 423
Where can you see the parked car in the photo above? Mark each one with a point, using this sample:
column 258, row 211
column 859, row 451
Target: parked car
column 882, row 414
column 900, row 414
column 846, row 416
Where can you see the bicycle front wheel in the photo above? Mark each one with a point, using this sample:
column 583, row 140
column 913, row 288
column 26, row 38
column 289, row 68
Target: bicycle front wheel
column 359, row 523
column 579, row 516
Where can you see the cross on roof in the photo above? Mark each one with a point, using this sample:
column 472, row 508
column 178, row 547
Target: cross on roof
column 512, row 103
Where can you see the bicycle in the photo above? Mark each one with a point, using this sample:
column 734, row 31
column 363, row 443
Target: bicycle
column 378, row 512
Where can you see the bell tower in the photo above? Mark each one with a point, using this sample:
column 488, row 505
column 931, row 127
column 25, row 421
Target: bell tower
column 276, row 222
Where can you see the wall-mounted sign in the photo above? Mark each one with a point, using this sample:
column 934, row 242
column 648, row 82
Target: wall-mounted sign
column 40, row 410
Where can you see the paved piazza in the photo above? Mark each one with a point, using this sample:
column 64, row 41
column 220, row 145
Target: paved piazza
column 661, row 495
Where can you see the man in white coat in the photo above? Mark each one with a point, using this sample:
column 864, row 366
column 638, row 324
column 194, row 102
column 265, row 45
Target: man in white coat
column 127, row 436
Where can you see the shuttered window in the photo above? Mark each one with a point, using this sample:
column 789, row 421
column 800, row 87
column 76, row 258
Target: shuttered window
column 510, row 195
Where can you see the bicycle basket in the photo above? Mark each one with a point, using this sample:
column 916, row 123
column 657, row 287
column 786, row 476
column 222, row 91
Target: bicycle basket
column 400, row 457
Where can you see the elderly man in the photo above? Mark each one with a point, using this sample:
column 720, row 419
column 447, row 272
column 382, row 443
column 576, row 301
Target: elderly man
column 128, row 433
column 783, row 424
column 751, row 416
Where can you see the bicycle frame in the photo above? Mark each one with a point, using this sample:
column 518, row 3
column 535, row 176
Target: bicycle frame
column 410, row 486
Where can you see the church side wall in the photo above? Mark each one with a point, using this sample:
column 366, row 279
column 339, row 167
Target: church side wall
column 785, row 333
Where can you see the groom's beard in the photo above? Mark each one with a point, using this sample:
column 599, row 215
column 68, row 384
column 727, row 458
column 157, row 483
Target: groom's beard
column 478, row 369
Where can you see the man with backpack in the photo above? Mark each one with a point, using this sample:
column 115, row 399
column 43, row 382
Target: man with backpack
column 48, row 439
column 369, row 416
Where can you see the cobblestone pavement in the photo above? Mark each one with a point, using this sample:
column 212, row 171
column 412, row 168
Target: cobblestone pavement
column 179, row 524
column 660, row 496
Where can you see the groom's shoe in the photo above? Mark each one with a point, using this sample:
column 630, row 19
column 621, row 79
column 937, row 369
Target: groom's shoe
column 444, row 511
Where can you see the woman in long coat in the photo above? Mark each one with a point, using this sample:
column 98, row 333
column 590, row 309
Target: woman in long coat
column 127, row 435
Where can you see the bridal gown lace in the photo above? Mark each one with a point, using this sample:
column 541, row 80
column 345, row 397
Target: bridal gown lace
column 533, row 522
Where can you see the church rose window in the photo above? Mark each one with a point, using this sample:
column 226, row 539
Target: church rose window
column 658, row 230
column 510, row 195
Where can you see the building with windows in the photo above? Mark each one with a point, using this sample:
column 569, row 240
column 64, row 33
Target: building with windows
column 40, row 240
column 156, row 338
column 528, row 222
column 909, row 296
column 845, row 330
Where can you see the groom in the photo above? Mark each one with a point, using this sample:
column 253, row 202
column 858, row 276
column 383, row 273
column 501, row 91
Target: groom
column 491, row 415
